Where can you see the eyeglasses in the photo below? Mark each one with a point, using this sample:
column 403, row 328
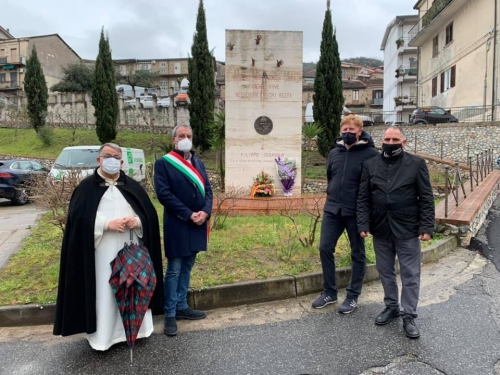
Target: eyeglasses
column 107, row 156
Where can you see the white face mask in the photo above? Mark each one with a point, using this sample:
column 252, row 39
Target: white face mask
column 184, row 145
column 111, row 166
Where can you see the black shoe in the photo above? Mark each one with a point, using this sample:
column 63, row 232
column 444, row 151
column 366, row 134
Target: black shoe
column 170, row 327
column 348, row 306
column 411, row 328
column 386, row 316
column 190, row 314
column 323, row 300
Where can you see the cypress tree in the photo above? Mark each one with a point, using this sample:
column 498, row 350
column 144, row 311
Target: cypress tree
column 104, row 96
column 36, row 91
column 328, row 99
column 201, row 90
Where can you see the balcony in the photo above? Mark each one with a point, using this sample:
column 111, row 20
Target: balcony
column 377, row 101
column 405, row 102
column 404, row 73
column 403, row 46
column 7, row 63
column 13, row 85
column 436, row 17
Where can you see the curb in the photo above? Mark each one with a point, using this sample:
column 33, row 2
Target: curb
column 242, row 293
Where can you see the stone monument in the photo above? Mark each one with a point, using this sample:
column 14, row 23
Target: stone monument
column 263, row 104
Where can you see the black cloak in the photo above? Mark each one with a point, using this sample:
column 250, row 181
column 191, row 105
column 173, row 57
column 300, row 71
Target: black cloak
column 76, row 296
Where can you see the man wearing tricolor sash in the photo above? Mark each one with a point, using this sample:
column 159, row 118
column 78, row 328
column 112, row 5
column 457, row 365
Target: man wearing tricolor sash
column 183, row 188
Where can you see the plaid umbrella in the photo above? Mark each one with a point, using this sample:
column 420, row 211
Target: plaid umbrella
column 133, row 281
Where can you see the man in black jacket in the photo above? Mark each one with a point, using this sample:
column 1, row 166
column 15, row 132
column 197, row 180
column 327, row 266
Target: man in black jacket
column 343, row 172
column 396, row 205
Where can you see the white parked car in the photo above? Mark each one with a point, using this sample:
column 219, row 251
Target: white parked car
column 146, row 102
column 163, row 103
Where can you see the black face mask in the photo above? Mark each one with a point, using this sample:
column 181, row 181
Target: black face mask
column 349, row 138
column 392, row 150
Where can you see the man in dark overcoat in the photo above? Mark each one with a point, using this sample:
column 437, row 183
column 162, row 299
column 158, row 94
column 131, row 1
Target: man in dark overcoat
column 396, row 205
column 183, row 188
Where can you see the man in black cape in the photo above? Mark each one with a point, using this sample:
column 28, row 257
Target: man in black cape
column 76, row 297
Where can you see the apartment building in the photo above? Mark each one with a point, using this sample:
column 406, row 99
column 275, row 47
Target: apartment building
column 458, row 52
column 169, row 71
column 400, row 73
column 53, row 52
column 362, row 87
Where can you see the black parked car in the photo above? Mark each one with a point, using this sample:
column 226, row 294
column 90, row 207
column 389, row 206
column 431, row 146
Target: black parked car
column 431, row 115
column 15, row 178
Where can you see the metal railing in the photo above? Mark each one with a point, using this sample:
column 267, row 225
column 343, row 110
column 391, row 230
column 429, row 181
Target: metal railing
column 463, row 114
column 435, row 10
column 407, row 70
column 479, row 167
column 483, row 166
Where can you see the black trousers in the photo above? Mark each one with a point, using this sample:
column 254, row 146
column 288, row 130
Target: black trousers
column 332, row 227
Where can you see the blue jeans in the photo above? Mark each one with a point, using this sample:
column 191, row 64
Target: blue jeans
column 176, row 283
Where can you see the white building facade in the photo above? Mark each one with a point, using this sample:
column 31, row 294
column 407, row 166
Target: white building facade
column 400, row 70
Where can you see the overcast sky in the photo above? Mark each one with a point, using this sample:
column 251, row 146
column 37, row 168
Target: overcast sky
column 147, row 29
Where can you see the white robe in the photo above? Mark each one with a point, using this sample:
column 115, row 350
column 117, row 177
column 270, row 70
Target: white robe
column 107, row 244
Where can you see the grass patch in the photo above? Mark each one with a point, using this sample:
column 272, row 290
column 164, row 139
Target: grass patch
column 31, row 275
column 246, row 248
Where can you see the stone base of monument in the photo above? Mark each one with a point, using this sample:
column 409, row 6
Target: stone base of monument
column 273, row 205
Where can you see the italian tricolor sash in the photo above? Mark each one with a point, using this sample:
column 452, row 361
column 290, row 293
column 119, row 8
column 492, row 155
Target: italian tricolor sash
column 183, row 166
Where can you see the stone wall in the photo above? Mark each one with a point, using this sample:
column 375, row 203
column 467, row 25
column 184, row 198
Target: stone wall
column 68, row 110
column 451, row 141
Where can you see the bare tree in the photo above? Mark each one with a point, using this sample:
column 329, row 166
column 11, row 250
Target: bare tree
column 73, row 119
column 311, row 207
column 54, row 193
column 225, row 201
column 17, row 117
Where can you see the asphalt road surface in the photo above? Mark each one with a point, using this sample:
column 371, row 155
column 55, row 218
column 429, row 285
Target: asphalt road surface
column 459, row 321
column 15, row 224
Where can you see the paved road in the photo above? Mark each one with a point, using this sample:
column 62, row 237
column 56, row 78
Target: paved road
column 459, row 319
column 15, row 224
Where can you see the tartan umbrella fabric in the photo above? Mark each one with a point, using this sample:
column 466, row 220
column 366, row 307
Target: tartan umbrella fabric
column 133, row 281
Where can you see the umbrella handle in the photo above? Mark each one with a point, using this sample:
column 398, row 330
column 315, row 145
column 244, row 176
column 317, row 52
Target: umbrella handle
column 131, row 356
column 131, row 236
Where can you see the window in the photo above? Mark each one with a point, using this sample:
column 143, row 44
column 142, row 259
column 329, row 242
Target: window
column 13, row 55
column 123, row 69
column 2, row 77
column 448, row 79
column 434, row 86
column 435, row 46
column 25, row 165
column 163, row 64
column 343, row 73
column 453, row 73
column 163, row 85
column 437, row 111
column 2, row 53
column 144, row 67
column 37, row 167
column 355, row 95
column 449, row 33
column 378, row 94
column 163, row 70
